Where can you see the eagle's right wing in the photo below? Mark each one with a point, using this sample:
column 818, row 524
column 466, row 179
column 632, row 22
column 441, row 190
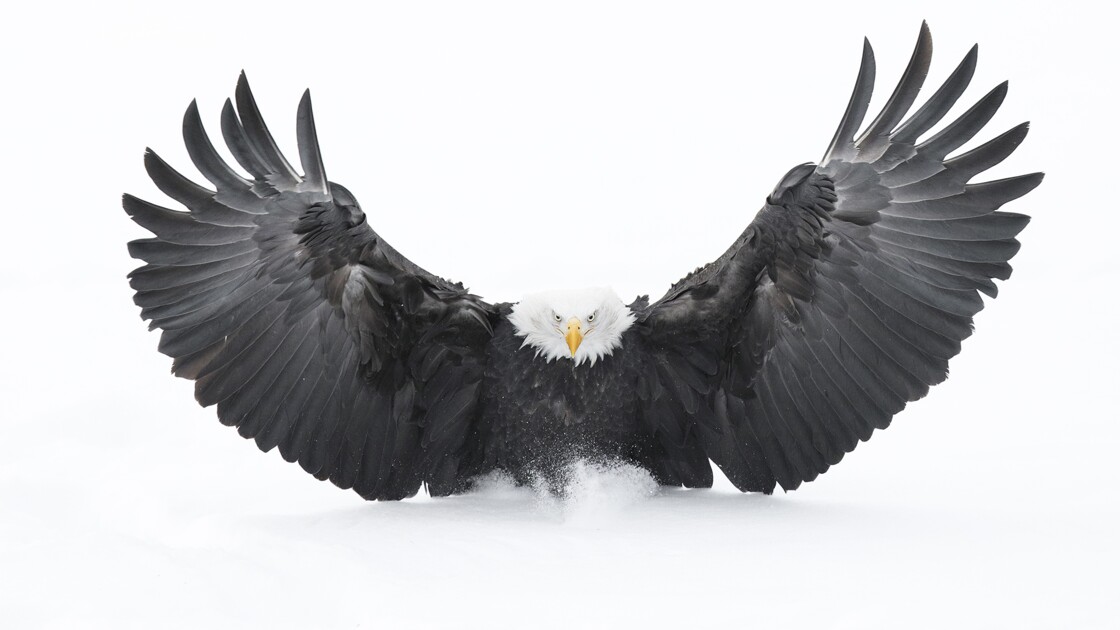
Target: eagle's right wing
column 305, row 328
column 846, row 296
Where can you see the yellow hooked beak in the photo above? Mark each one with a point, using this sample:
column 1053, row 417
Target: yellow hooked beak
column 574, row 336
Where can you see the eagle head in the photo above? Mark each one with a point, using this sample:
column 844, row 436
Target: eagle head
column 581, row 324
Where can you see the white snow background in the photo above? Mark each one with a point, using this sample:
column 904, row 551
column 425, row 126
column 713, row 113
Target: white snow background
column 472, row 133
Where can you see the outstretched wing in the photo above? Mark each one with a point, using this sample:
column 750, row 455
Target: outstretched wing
column 847, row 295
column 308, row 331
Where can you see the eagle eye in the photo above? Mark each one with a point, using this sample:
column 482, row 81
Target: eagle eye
column 591, row 317
column 556, row 317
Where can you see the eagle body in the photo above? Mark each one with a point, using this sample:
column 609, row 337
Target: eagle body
column 839, row 303
column 535, row 417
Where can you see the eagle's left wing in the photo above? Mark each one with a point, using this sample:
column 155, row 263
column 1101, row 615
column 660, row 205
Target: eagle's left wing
column 846, row 296
column 299, row 322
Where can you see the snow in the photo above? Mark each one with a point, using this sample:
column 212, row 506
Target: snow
column 203, row 552
column 991, row 503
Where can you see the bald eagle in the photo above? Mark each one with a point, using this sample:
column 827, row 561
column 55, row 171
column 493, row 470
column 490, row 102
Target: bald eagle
column 842, row 301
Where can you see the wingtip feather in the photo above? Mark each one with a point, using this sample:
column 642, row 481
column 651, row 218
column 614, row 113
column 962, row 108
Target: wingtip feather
column 873, row 139
column 314, row 174
column 857, row 106
column 259, row 137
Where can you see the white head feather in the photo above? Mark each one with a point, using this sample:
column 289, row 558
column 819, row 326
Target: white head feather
column 542, row 319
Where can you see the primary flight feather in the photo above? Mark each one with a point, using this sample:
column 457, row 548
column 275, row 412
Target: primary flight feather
column 842, row 301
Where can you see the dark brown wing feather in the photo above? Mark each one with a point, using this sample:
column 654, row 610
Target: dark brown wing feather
column 847, row 295
column 307, row 331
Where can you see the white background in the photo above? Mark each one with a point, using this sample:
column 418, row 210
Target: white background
column 516, row 147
